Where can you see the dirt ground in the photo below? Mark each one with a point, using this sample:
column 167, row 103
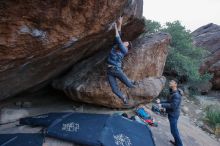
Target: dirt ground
column 44, row 102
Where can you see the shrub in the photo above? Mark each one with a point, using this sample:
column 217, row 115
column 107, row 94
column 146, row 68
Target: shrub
column 213, row 114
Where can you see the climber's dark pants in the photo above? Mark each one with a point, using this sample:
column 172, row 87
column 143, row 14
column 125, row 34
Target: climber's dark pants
column 174, row 129
column 113, row 73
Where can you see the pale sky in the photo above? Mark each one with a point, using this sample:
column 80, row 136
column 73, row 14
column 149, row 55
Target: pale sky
column 191, row 13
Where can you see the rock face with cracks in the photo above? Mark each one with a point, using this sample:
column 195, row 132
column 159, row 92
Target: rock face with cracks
column 87, row 81
column 208, row 37
column 40, row 40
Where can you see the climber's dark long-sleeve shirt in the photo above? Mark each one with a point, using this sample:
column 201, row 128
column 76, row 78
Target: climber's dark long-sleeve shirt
column 115, row 57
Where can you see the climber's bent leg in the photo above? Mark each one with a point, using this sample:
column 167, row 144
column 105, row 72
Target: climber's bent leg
column 123, row 78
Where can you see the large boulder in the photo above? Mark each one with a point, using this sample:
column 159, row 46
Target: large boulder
column 208, row 37
column 87, row 81
column 42, row 39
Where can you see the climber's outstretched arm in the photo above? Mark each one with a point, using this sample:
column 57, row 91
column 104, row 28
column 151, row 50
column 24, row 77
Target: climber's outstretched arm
column 116, row 31
column 120, row 24
column 119, row 42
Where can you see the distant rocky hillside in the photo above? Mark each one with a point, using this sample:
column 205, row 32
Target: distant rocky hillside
column 208, row 37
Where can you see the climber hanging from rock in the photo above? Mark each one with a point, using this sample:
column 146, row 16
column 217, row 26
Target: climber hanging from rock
column 114, row 62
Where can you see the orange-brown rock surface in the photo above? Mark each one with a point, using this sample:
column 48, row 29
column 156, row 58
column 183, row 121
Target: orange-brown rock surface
column 39, row 40
column 208, row 37
column 87, row 81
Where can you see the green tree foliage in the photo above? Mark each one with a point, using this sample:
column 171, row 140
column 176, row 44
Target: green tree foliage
column 152, row 26
column 184, row 59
